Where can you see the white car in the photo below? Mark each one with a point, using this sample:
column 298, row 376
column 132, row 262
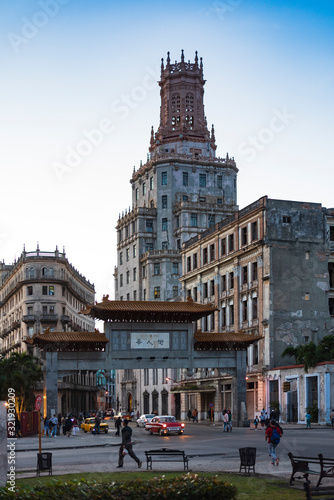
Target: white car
column 144, row 419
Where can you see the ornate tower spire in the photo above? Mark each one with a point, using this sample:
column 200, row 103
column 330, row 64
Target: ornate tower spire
column 182, row 117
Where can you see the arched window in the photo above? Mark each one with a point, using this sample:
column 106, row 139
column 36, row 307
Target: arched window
column 27, row 273
column 32, row 272
column 175, row 110
column 44, row 271
column 51, row 272
column 189, row 103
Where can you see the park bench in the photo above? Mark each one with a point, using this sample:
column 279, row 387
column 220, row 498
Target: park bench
column 319, row 493
column 323, row 467
column 166, row 455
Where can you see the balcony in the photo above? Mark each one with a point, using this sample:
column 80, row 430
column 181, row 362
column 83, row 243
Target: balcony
column 16, row 324
column 49, row 318
column 29, row 318
column 65, row 319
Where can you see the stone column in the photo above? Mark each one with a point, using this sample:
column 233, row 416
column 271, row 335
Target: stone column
column 51, row 382
column 3, row 443
column 240, row 418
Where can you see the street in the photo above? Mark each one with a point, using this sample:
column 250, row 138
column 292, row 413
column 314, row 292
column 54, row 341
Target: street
column 207, row 446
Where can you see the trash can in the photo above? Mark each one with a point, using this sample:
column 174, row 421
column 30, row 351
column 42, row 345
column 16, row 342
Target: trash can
column 247, row 459
column 44, row 463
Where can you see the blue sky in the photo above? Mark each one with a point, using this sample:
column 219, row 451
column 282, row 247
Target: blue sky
column 68, row 67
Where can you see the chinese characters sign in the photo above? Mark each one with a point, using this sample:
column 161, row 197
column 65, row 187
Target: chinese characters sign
column 149, row 340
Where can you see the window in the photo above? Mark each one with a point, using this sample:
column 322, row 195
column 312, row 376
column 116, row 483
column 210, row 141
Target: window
column 135, row 295
column 30, row 310
column 120, row 258
column 195, row 261
column 205, row 290
column 254, row 308
column 254, row 271
column 185, row 178
column 244, row 275
column 178, row 244
column 202, row 199
column 223, row 316
column 137, row 194
column 177, row 221
column 164, row 201
column 156, row 269
column 121, row 280
column 29, row 290
column 148, row 247
column 223, row 246
column 286, row 219
column 126, row 231
column 254, row 230
column 63, row 291
column 127, row 296
column 244, row 235
column 144, row 271
column 231, row 314
column 133, row 227
column 144, row 294
column 193, row 220
column 211, row 220
column 231, row 281
column 175, row 291
column 219, row 201
column 205, row 255
column 224, row 283
column 51, row 290
column 202, row 180
column 151, row 183
column 195, row 294
column 164, row 178
column 134, row 274
column 175, row 268
column 152, row 203
column 212, row 252
column 157, row 292
column 149, row 225
column 188, row 264
column 219, row 182
column 331, row 306
column 127, row 254
column 185, row 197
column 212, row 287
column 231, row 243
column 134, row 251
column 127, row 277
column 44, row 271
column 244, row 310
column 164, row 224
column 44, row 290
column 164, row 245
column 144, row 188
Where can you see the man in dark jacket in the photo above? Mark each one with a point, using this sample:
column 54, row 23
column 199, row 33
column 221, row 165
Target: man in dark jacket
column 118, row 425
column 127, row 445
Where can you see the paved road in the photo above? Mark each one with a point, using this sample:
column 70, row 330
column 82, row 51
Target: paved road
column 208, row 447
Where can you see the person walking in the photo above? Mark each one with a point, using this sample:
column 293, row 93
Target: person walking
column 118, row 425
column 225, row 421
column 263, row 417
column 126, row 446
column 229, row 420
column 68, row 426
column 195, row 415
column 54, row 422
column 308, row 420
column 273, row 437
column 189, row 414
column 97, row 425
column 331, row 416
column 46, row 427
column 256, row 422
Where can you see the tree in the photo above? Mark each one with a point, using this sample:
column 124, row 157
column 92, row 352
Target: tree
column 310, row 354
column 20, row 372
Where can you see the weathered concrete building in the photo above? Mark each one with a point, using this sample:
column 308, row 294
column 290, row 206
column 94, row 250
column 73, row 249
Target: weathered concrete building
column 269, row 270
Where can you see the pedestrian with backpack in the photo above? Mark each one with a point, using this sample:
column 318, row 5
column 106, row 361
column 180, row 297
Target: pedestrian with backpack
column 273, row 437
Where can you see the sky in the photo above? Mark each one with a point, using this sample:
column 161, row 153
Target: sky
column 79, row 94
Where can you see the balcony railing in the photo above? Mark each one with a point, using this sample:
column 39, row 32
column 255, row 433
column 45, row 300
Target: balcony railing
column 29, row 318
column 49, row 318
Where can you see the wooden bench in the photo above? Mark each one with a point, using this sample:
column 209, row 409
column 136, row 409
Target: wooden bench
column 166, row 455
column 320, row 492
column 324, row 467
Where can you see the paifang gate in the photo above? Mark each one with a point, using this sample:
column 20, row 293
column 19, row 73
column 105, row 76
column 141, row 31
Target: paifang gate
column 144, row 334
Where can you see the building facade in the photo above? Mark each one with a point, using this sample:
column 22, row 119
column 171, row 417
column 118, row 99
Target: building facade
column 182, row 189
column 43, row 291
column 269, row 271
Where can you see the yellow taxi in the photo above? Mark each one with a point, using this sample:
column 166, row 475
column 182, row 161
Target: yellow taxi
column 88, row 425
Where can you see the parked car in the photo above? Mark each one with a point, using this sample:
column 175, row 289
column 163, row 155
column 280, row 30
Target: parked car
column 123, row 415
column 144, row 419
column 89, row 423
column 163, row 425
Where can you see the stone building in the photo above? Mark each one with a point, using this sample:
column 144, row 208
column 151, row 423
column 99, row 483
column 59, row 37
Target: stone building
column 181, row 190
column 269, row 270
column 43, row 291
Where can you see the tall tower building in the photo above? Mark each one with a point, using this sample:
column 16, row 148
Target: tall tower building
column 181, row 190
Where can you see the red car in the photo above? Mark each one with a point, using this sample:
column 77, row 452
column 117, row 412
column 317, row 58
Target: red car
column 163, row 425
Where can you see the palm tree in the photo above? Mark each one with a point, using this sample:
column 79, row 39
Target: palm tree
column 20, row 372
column 310, row 354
